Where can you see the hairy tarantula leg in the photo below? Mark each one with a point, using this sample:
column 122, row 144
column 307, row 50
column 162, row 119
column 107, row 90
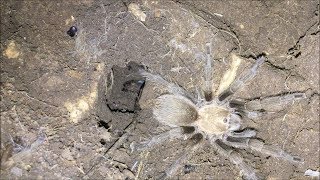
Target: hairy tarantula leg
column 259, row 146
column 247, row 133
column 274, row 151
column 188, row 152
column 240, row 108
column 222, row 149
column 208, row 74
column 238, row 83
column 176, row 133
column 172, row 88
column 275, row 103
column 259, row 107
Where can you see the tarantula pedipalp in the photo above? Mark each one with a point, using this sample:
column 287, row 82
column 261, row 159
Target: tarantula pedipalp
column 217, row 118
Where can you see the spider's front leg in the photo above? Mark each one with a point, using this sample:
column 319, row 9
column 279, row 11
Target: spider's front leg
column 261, row 147
column 222, row 149
column 259, row 107
column 247, row 133
column 238, row 83
column 275, row 103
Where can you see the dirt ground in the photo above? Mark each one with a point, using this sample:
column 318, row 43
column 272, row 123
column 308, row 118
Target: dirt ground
column 56, row 122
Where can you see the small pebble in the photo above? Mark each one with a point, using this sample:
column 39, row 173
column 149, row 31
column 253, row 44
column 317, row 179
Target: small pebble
column 312, row 173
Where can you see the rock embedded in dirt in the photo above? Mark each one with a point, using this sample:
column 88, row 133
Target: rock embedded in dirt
column 124, row 88
column 66, row 154
column 121, row 156
column 128, row 174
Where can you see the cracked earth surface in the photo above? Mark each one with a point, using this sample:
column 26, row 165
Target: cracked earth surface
column 55, row 122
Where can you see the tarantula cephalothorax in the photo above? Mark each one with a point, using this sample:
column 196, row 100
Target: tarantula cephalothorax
column 217, row 119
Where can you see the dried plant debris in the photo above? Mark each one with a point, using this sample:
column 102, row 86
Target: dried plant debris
column 124, row 86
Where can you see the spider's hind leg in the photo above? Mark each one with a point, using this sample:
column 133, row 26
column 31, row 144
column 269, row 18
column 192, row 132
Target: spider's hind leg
column 175, row 133
column 196, row 143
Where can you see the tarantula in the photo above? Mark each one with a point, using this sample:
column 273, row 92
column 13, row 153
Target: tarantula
column 217, row 119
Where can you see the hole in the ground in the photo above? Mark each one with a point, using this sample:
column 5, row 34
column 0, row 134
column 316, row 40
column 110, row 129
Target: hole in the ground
column 103, row 142
column 103, row 124
column 188, row 168
column 298, row 54
column 268, row 157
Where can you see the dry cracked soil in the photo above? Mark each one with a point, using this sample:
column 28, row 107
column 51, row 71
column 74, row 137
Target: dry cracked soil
column 64, row 114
